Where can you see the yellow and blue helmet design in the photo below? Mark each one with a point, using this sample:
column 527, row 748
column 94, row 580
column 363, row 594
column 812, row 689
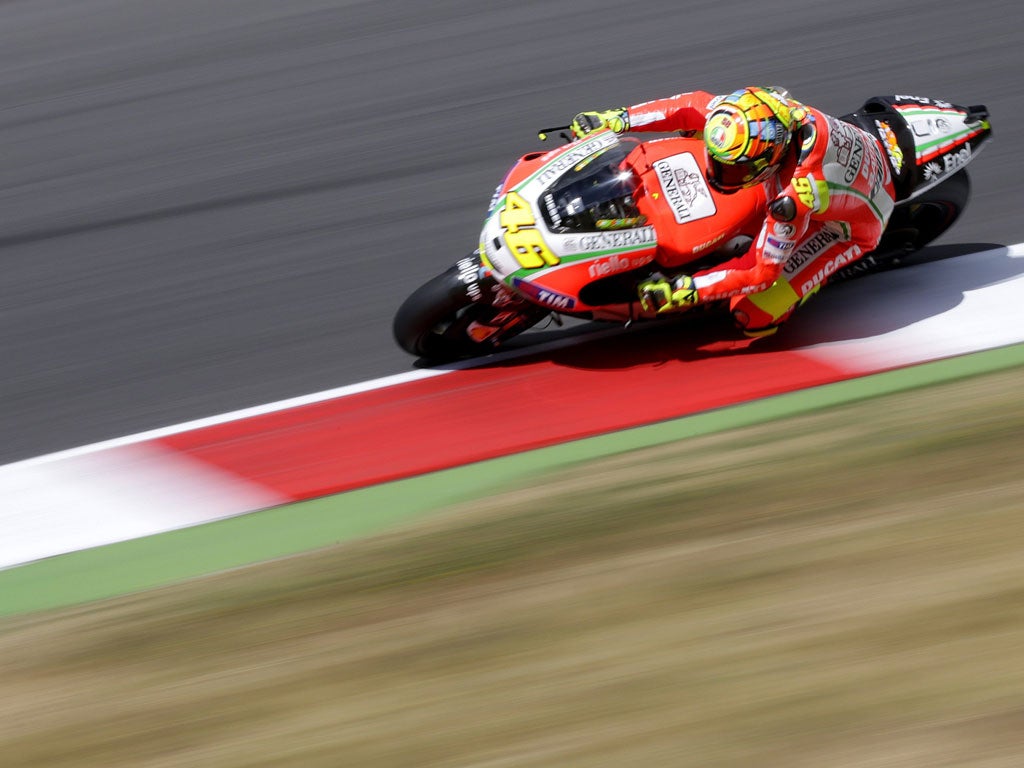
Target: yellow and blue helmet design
column 746, row 135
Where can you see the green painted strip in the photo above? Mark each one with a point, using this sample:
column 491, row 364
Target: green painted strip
column 140, row 564
column 929, row 111
column 534, row 272
column 840, row 189
column 952, row 138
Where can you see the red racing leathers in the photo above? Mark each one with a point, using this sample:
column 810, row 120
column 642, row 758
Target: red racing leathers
column 827, row 207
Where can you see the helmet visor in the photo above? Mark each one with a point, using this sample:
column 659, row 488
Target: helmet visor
column 729, row 177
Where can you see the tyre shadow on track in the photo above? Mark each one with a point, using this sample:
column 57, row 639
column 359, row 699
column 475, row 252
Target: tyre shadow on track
column 929, row 283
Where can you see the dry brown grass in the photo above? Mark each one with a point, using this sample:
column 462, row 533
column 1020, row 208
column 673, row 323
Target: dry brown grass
column 854, row 597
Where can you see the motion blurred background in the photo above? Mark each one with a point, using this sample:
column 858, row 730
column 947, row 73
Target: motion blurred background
column 209, row 205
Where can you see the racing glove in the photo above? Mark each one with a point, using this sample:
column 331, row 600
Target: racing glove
column 585, row 122
column 659, row 294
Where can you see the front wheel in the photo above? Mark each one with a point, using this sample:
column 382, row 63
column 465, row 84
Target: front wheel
column 453, row 315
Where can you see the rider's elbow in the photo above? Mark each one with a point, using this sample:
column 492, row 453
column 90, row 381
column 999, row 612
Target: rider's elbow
column 765, row 272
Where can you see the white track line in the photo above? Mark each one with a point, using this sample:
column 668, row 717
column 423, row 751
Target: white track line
column 101, row 497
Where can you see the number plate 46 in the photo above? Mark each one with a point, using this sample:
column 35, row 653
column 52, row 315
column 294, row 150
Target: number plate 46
column 521, row 237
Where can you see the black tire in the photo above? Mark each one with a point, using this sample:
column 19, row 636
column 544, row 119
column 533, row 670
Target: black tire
column 917, row 222
column 914, row 225
column 427, row 324
column 433, row 323
column 936, row 210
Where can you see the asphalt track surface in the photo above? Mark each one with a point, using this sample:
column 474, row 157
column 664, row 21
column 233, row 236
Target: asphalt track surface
column 211, row 205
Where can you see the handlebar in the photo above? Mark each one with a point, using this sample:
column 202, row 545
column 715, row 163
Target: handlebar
column 542, row 134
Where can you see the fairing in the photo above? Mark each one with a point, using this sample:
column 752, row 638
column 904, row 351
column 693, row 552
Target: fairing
column 603, row 208
column 926, row 140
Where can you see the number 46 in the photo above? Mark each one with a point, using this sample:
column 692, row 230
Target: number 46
column 525, row 242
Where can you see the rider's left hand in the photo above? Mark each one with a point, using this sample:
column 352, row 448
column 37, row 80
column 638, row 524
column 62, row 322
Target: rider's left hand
column 661, row 295
column 585, row 122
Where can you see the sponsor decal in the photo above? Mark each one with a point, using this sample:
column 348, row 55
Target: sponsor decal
column 875, row 171
column 555, row 300
column 781, row 229
column 613, row 239
column 848, row 147
column 614, row 264
column 544, row 296
column 924, row 127
column 469, row 274
column 704, row 246
column 494, row 198
column 574, row 157
column 685, row 190
column 856, row 157
column 892, row 145
column 645, row 118
column 923, row 100
column 831, row 266
column 777, row 251
column 951, row 162
column 809, row 249
column 954, row 161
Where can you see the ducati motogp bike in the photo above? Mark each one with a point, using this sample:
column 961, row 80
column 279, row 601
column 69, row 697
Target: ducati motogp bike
column 573, row 231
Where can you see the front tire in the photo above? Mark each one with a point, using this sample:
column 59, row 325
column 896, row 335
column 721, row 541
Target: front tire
column 435, row 322
column 423, row 325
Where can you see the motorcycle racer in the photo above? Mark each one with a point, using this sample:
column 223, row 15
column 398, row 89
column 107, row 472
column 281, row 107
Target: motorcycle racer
column 829, row 190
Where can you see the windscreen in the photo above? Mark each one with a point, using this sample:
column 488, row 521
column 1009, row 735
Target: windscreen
column 598, row 194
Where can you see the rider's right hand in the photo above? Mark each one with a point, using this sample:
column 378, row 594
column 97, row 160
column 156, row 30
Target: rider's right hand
column 658, row 294
column 585, row 122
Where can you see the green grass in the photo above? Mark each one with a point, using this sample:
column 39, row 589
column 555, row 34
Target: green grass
column 841, row 588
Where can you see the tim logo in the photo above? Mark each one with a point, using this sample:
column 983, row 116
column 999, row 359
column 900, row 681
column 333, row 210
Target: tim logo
column 543, row 295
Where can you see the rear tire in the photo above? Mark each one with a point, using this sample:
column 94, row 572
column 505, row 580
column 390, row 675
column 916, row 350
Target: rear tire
column 914, row 225
column 936, row 210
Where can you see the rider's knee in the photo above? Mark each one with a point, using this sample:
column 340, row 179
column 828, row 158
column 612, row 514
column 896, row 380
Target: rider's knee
column 756, row 327
column 755, row 320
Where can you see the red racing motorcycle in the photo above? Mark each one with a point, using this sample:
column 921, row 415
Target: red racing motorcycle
column 574, row 230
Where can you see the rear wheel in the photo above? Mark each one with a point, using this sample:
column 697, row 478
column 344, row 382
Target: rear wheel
column 452, row 316
column 913, row 225
column 931, row 214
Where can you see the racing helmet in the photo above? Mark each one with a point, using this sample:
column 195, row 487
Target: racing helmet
column 747, row 134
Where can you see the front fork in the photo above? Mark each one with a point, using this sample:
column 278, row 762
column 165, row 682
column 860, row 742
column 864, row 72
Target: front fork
column 500, row 312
